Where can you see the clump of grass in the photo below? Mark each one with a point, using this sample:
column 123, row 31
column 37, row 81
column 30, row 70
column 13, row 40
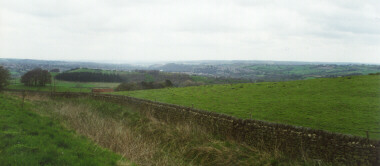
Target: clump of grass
column 97, row 123
column 147, row 141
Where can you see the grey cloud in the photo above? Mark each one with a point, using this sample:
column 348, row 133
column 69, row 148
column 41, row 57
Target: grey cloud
column 198, row 29
column 210, row 26
column 360, row 26
column 43, row 8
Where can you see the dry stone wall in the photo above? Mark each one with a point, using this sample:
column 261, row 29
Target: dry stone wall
column 292, row 140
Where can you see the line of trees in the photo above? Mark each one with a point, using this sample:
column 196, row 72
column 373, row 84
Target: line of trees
column 36, row 77
column 4, row 77
column 89, row 77
column 55, row 70
column 143, row 85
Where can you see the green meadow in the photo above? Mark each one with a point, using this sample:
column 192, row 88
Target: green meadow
column 312, row 71
column 349, row 105
column 27, row 138
column 63, row 86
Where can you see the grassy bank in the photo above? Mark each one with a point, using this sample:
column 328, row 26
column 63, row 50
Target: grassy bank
column 27, row 138
column 147, row 141
column 63, row 86
column 349, row 105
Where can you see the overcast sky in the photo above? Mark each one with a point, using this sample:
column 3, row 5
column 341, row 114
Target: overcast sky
column 153, row 30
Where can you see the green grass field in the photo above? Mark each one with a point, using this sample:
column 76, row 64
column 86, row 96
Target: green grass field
column 64, row 86
column 315, row 70
column 27, row 138
column 349, row 105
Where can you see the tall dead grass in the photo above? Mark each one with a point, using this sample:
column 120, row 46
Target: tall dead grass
column 152, row 142
column 109, row 133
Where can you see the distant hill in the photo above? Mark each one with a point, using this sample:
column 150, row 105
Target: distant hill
column 178, row 79
column 261, row 71
column 174, row 67
column 255, row 71
column 20, row 66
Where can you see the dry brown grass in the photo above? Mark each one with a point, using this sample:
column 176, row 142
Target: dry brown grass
column 152, row 142
column 105, row 131
column 109, row 133
column 30, row 96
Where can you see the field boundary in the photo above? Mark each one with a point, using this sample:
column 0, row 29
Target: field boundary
column 291, row 140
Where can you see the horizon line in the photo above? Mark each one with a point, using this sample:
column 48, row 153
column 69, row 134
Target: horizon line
column 129, row 62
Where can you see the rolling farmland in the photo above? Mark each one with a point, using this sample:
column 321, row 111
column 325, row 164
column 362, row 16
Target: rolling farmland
column 347, row 105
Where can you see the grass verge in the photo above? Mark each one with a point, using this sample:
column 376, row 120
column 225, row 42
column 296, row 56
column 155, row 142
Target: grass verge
column 27, row 138
column 63, row 86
